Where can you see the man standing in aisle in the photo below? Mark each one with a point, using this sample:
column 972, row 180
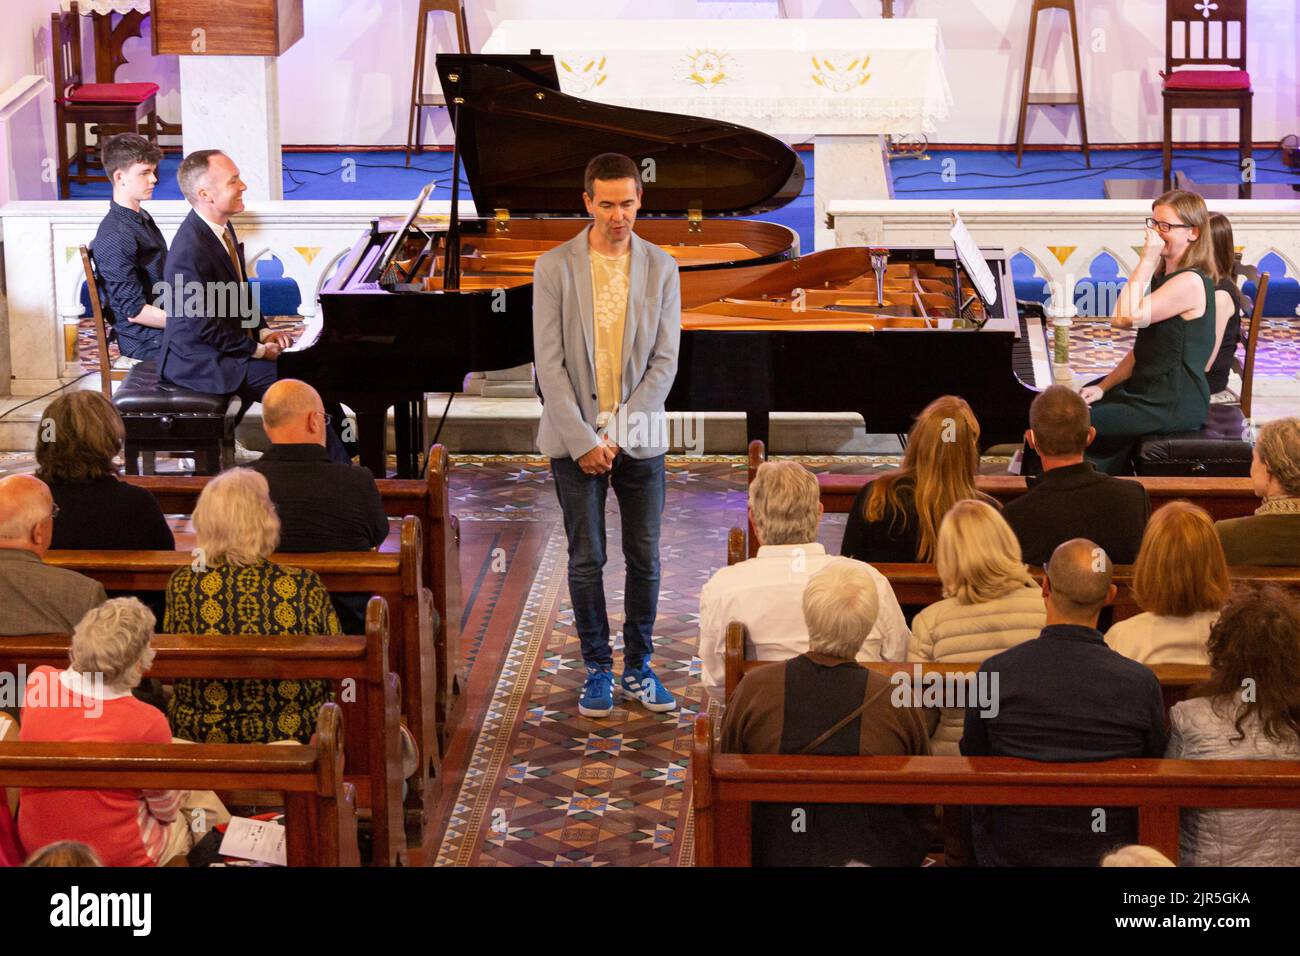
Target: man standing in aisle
column 606, row 326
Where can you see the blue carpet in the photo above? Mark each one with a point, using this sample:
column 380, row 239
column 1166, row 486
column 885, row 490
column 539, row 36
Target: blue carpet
column 946, row 174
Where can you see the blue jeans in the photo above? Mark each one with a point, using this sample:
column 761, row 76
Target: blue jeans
column 639, row 487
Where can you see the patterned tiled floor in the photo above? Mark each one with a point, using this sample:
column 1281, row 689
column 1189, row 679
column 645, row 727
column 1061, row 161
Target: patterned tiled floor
column 535, row 783
column 1095, row 347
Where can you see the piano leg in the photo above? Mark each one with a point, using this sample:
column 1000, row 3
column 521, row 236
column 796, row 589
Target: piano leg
column 408, row 430
column 371, row 426
column 756, row 428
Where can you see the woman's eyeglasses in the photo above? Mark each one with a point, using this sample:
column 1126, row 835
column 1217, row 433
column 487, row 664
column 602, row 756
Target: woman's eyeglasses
column 1164, row 227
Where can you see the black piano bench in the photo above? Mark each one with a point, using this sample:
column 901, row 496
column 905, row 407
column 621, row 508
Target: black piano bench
column 162, row 417
column 1216, row 450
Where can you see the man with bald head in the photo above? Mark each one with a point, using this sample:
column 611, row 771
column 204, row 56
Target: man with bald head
column 1064, row 697
column 1072, row 499
column 324, row 504
column 34, row 597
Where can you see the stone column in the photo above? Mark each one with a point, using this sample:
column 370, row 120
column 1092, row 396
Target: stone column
column 232, row 103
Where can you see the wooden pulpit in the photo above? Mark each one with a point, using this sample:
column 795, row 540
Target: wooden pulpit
column 229, row 54
column 231, row 28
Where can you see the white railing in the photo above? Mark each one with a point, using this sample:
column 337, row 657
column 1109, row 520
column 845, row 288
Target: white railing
column 43, row 272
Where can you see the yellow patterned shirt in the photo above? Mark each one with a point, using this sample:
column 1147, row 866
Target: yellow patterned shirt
column 265, row 599
column 609, row 282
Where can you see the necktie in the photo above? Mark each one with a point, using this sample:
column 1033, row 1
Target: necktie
column 234, row 259
column 234, row 253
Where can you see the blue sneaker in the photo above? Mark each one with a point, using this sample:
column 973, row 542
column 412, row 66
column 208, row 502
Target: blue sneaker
column 643, row 685
column 597, row 693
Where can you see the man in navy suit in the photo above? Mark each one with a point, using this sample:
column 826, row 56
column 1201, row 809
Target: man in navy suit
column 215, row 339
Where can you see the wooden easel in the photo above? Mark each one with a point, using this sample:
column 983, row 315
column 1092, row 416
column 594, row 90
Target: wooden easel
column 1028, row 99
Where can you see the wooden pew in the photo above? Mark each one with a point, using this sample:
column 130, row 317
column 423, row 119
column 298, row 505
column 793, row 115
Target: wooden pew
column 1221, row 497
column 369, row 702
column 319, row 805
column 1176, row 680
column 397, row 578
column 918, row 585
column 725, row 787
column 429, row 500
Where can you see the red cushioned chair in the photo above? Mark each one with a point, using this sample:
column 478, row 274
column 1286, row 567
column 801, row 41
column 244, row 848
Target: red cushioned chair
column 1207, row 33
column 83, row 104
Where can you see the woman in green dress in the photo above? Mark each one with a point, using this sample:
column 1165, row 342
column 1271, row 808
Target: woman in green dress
column 1160, row 386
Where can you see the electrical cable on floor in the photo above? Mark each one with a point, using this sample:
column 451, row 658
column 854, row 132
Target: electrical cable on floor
column 47, row 394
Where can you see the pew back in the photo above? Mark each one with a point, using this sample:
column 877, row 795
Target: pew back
column 397, row 578
column 367, row 693
column 429, row 501
column 725, row 787
column 319, row 806
column 1176, row 680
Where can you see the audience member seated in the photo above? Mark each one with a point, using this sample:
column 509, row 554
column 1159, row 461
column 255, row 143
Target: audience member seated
column 1248, row 710
column 129, row 249
column 36, row 598
column 235, row 590
column 1064, row 697
column 81, row 433
column 1180, row 581
column 1072, row 499
column 64, row 853
column 895, row 519
column 91, row 702
column 1271, row 536
column 1136, row 854
column 764, row 592
column 991, row 602
column 324, row 505
column 824, row 702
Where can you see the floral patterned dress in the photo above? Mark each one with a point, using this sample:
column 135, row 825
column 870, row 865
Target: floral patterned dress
column 260, row 599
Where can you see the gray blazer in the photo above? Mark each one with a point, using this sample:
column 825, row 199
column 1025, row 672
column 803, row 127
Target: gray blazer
column 563, row 332
column 36, row 598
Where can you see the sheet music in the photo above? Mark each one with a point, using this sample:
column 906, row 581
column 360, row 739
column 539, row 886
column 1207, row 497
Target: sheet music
column 968, row 251
column 260, row 840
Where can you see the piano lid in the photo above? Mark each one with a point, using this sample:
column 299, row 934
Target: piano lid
column 525, row 145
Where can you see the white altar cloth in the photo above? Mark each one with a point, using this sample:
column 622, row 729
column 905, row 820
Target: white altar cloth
column 784, row 77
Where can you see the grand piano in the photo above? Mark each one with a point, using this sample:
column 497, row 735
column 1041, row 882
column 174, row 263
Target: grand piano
column 419, row 303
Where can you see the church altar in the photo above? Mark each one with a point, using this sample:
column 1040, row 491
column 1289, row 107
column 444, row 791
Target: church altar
column 845, row 83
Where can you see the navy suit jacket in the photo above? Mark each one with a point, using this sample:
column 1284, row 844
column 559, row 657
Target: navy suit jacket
column 201, row 351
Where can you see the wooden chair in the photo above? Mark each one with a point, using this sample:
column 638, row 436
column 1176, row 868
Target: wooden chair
column 1208, row 35
column 107, row 373
column 1248, row 334
column 83, row 104
column 420, row 99
column 1028, row 99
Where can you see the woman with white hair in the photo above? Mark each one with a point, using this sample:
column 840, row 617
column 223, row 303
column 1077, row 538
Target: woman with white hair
column 1271, row 536
column 91, row 701
column 825, row 702
column 991, row 602
column 231, row 588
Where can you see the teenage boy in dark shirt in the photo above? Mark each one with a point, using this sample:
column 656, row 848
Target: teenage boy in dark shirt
column 129, row 250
